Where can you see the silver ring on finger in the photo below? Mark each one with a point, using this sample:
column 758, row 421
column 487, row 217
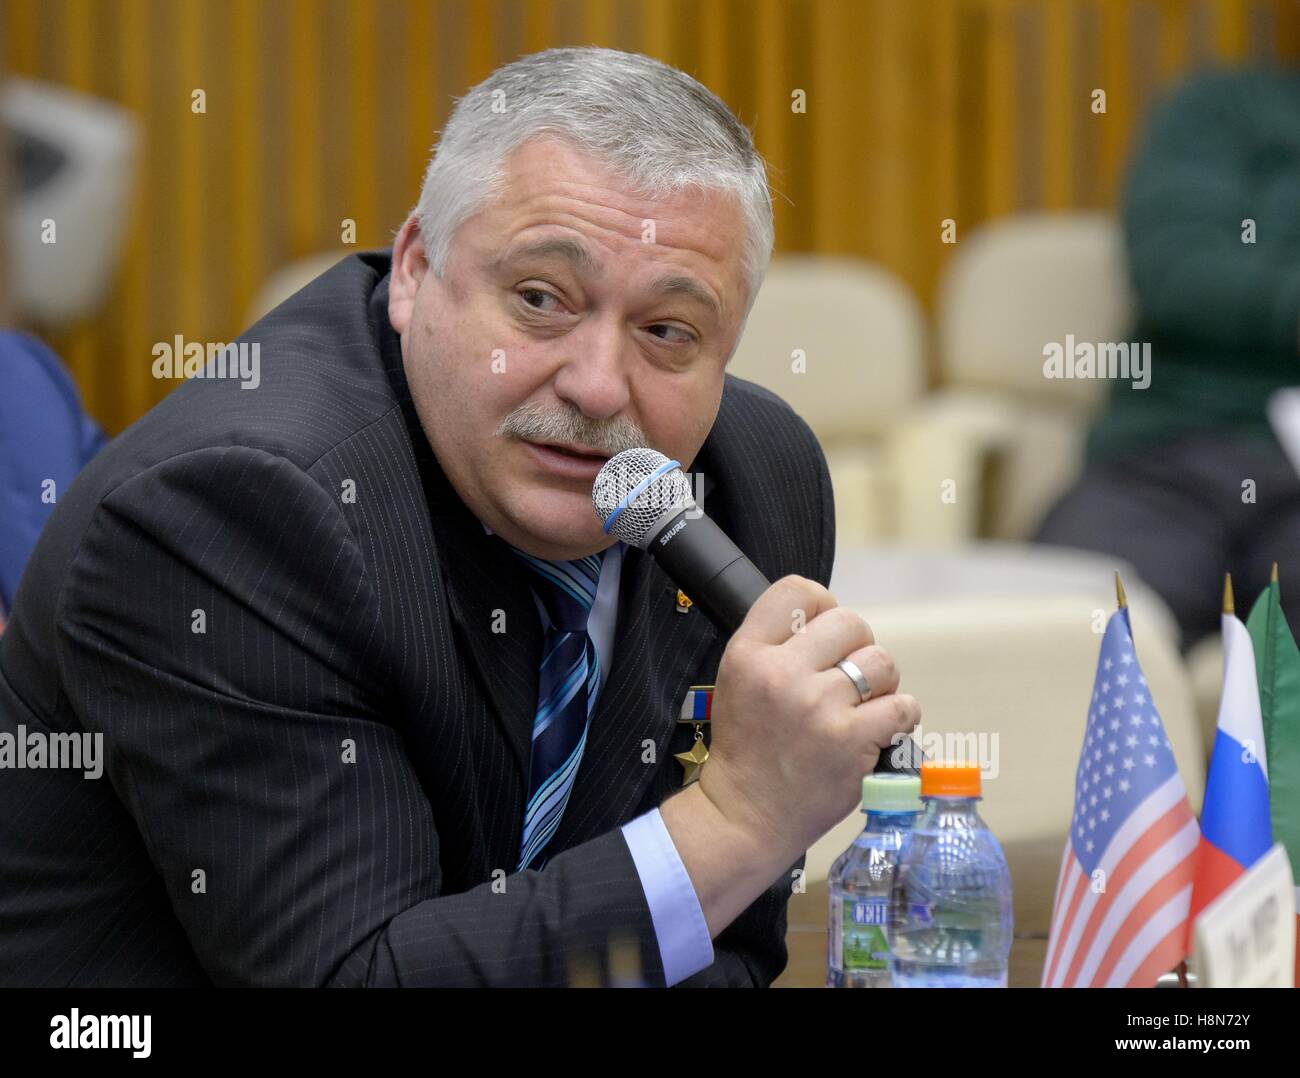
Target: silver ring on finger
column 854, row 673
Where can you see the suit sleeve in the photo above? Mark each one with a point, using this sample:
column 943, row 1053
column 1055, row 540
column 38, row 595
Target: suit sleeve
column 751, row 952
column 218, row 628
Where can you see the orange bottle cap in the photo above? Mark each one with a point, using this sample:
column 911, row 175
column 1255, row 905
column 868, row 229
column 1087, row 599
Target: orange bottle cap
column 950, row 780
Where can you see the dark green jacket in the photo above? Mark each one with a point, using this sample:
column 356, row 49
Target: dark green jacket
column 1222, row 315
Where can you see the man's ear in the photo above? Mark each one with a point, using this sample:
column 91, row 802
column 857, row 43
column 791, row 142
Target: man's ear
column 408, row 269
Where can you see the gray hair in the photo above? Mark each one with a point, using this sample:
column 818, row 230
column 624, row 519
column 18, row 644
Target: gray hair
column 651, row 122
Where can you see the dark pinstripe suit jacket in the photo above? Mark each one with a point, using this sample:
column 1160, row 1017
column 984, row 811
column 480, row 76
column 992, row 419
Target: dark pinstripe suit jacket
column 326, row 784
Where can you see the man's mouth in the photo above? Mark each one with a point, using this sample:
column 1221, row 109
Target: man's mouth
column 563, row 460
column 575, row 451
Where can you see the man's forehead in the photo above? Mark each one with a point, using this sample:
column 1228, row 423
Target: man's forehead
column 710, row 223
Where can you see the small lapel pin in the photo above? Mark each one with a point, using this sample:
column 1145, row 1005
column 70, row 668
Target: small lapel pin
column 684, row 603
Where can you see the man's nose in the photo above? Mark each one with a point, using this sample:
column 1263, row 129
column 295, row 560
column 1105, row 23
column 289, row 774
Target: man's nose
column 594, row 376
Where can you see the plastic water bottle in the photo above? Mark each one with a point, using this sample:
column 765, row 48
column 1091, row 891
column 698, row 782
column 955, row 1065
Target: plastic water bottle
column 950, row 912
column 860, row 883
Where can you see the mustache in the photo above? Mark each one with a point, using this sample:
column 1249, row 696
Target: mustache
column 538, row 423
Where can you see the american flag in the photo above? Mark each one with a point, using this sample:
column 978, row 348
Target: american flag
column 1125, row 885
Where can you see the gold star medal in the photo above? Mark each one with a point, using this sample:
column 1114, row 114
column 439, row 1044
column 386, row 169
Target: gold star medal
column 695, row 710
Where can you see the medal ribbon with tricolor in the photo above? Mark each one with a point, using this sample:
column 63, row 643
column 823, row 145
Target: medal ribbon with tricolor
column 696, row 709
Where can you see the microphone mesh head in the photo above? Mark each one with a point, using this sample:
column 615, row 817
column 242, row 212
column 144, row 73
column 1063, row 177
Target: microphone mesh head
column 626, row 473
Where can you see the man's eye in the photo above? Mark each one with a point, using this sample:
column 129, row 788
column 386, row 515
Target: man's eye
column 683, row 336
column 535, row 297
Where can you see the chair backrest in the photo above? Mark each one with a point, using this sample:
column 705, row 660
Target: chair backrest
column 858, row 332
column 81, row 154
column 1022, row 283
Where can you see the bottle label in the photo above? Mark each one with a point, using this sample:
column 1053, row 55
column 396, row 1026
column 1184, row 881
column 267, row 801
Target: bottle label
column 862, row 932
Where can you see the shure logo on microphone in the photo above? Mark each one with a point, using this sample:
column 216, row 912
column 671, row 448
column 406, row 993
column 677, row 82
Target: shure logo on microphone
column 671, row 532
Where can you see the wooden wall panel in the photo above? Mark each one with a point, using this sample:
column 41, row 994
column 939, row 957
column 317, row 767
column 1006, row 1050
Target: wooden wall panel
column 321, row 110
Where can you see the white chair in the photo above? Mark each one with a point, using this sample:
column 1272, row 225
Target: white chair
column 1001, row 438
column 843, row 341
column 1012, row 438
column 87, row 150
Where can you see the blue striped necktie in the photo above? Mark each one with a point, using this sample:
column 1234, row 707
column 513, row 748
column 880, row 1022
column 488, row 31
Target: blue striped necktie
column 566, row 689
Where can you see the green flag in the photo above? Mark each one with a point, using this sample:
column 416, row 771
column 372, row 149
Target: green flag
column 1277, row 664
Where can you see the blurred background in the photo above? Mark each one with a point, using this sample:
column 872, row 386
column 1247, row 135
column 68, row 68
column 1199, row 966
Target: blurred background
column 324, row 110
column 948, row 193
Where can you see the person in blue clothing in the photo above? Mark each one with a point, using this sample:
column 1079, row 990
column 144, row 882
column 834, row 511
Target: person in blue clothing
column 45, row 440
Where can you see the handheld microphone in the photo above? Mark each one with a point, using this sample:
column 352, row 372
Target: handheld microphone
column 644, row 499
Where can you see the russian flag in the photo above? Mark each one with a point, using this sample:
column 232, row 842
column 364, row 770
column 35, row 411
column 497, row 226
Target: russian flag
column 1235, row 827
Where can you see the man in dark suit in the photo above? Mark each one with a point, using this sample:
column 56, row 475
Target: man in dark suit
column 324, row 633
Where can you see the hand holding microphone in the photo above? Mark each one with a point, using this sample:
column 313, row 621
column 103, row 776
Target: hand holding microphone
column 792, row 732
column 791, row 737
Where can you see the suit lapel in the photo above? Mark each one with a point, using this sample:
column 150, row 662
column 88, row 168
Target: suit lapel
column 489, row 592
column 481, row 578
